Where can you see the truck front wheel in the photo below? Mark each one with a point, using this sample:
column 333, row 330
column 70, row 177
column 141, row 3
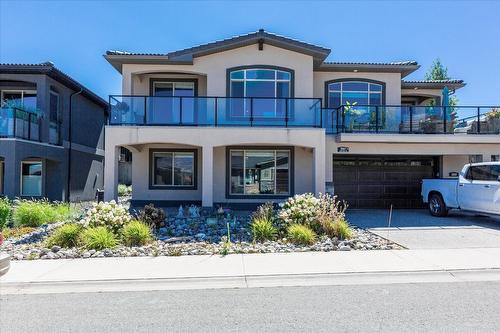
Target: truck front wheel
column 437, row 207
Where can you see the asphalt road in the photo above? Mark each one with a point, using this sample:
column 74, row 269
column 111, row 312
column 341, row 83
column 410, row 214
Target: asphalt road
column 426, row 307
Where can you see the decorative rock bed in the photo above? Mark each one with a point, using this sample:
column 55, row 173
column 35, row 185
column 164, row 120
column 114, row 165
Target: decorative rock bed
column 191, row 236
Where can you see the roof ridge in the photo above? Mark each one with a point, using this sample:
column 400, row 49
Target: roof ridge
column 395, row 63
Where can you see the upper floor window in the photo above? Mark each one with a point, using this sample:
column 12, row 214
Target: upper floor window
column 260, row 82
column 25, row 99
column 352, row 91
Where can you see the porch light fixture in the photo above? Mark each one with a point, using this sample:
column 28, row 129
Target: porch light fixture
column 355, row 71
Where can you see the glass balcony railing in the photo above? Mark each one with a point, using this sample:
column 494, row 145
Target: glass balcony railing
column 215, row 111
column 18, row 123
column 413, row 119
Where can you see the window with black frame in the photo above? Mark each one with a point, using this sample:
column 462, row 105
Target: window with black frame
column 173, row 169
column 259, row 92
column 259, row 172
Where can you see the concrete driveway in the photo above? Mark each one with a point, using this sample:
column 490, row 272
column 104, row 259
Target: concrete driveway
column 417, row 229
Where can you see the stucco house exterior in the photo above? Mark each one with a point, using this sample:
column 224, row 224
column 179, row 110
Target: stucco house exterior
column 51, row 134
column 261, row 117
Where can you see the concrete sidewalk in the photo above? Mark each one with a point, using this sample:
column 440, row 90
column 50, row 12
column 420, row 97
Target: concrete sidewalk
column 251, row 270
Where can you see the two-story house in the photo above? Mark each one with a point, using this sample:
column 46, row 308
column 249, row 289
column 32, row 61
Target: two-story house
column 51, row 134
column 262, row 117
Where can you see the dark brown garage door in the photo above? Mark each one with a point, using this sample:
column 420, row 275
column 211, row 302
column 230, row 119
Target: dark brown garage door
column 378, row 182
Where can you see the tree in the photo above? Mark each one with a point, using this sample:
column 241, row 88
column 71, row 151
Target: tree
column 439, row 72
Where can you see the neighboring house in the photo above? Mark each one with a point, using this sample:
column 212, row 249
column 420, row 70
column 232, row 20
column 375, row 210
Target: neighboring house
column 262, row 117
column 51, row 134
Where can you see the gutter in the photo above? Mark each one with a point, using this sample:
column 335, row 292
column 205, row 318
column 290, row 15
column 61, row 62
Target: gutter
column 68, row 189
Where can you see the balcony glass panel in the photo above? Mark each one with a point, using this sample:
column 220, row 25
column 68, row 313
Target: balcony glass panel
column 127, row 110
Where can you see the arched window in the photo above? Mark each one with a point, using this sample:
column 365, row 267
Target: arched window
column 354, row 91
column 262, row 89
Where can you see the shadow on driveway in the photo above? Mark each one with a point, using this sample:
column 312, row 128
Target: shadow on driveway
column 417, row 229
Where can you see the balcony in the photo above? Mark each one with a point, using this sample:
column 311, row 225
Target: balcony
column 215, row 111
column 413, row 119
column 18, row 123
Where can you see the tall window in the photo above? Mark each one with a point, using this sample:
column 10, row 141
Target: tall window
column 31, row 178
column 173, row 169
column 259, row 172
column 362, row 93
column 165, row 106
column 264, row 85
column 54, row 124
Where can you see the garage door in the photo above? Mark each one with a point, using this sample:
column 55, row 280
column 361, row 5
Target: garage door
column 378, row 182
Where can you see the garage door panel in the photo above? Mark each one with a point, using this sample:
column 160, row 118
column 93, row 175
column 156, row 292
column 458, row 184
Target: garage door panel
column 379, row 182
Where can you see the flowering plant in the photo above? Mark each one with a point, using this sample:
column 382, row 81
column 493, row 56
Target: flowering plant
column 299, row 209
column 107, row 214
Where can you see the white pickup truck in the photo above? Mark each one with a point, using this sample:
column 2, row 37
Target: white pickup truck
column 477, row 189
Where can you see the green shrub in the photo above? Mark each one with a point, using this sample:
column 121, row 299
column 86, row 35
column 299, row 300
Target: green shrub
column 5, row 211
column 263, row 229
column 67, row 235
column 33, row 213
column 153, row 216
column 136, row 233
column 98, row 238
column 330, row 210
column 108, row 214
column 124, row 190
column 301, row 234
column 340, row 229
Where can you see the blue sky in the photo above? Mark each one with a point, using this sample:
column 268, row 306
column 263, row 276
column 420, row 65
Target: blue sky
column 74, row 35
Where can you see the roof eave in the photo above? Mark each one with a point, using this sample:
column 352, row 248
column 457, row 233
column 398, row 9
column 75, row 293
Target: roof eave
column 382, row 68
column 117, row 61
column 432, row 85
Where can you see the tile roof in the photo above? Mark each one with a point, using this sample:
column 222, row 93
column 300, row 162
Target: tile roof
column 432, row 84
column 397, row 63
column 48, row 68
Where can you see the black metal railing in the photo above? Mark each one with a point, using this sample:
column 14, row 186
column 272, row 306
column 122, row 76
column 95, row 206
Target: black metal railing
column 215, row 111
column 413, row 119
column 18, row 123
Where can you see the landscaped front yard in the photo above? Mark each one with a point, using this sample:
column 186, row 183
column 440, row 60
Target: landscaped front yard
column 43, row 230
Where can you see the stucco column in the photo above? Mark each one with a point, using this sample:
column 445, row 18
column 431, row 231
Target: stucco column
column 207, row 176
column 12, row 176
column 111, row 172
column 319, row 169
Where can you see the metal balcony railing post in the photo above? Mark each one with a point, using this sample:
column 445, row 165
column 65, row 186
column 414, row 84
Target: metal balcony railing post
column 411, row 119
column 343, row 118
column 180, row 110
column 145, row 121
column 14, row 117
column 251, row 111
column 29, row 126
column 216, row 110
column 286, row 112
column 444, row 119
column 376, row 119
column 478, row 120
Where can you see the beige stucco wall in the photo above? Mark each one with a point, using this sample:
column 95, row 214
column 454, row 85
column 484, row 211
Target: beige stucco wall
column 392, row 83
column 451, row 146
column 141, row 82
column 214, row 67
column 309, row 151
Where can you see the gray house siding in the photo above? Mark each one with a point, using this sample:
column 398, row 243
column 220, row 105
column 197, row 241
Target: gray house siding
column 87, row 141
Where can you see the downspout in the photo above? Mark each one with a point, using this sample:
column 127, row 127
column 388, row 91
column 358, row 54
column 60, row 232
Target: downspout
column 68, row 194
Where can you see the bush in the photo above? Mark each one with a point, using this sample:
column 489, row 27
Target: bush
column 98, row 238
column 301, row 234
column 124, row 190
column 340, row 229
column 329, row 211
column 136, row 233
column 299, row 209
column 34, row 213
column 263, row 229
column 5, row 210
column 155, row 217
column 67, row 235
column 108, row 214
column 17, row 232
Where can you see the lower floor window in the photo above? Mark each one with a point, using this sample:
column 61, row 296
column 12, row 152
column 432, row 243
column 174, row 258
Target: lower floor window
column 259, row 172
column 31, row 179
column 173, row 168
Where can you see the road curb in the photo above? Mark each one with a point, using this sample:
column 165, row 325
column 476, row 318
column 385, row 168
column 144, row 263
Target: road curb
column 250, row 281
